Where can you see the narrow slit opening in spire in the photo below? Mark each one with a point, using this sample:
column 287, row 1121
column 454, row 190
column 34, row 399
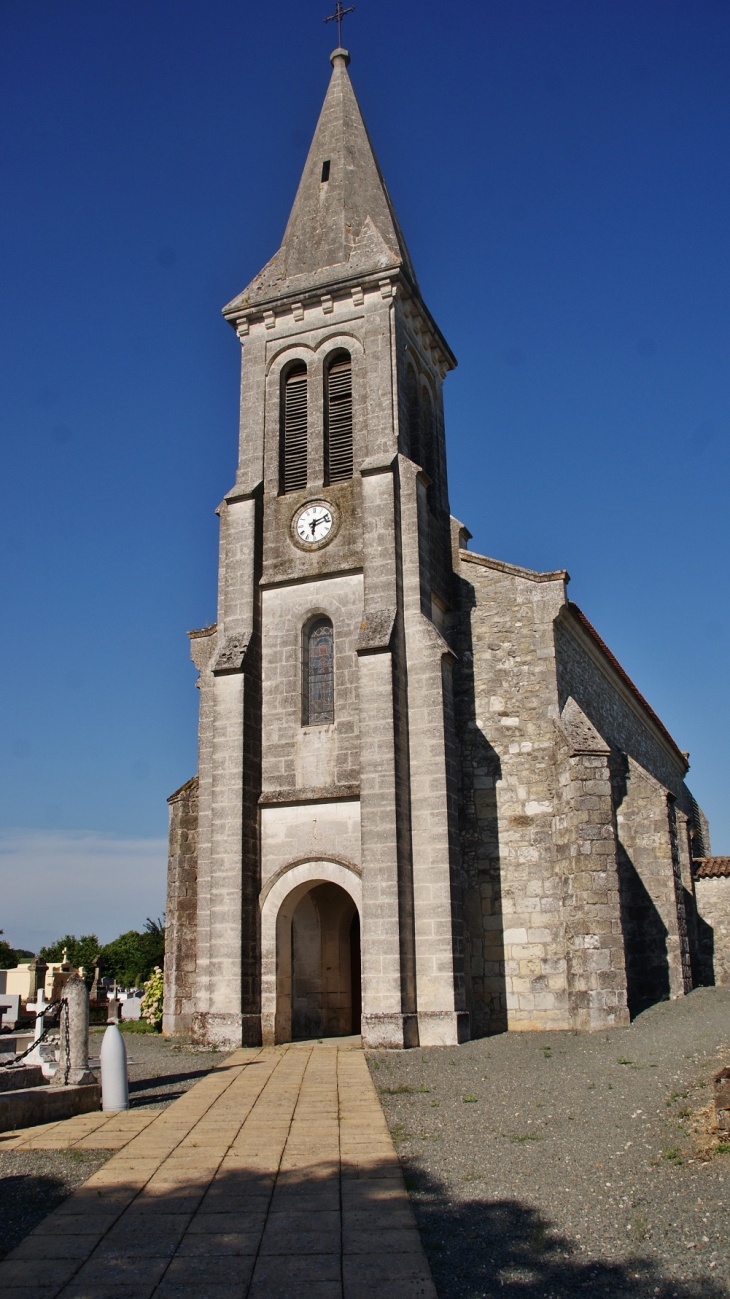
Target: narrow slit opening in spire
column 325, row 171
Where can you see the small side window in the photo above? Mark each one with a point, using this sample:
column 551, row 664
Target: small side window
column 318, row 673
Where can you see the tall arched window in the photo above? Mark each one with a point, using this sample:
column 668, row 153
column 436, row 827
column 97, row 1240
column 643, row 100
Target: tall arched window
column 338, row 418
column 293, row 439
column 318, row 676
column 414, row 416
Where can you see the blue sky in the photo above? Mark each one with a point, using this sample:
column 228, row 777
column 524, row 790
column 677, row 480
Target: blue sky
column 561, row 173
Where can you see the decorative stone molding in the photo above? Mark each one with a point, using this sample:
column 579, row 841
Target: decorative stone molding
column 269, row 319
column 376, row 630
column 311, row 794
column 203, row 645
column 232, row 652
column 377, row 465
column 242, row 492
column 328, row 305
column 580, row 733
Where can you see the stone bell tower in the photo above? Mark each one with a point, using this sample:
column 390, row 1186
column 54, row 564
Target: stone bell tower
column 314, row 876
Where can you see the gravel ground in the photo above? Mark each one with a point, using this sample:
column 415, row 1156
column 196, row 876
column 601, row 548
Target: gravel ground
column 160, row 1068
column 33, row 1182
column 545, row 1165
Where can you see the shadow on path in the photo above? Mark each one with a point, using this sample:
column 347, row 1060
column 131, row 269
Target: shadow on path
column 268, row 1236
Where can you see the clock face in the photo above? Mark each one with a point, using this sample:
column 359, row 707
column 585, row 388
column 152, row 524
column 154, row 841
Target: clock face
column 314, row 523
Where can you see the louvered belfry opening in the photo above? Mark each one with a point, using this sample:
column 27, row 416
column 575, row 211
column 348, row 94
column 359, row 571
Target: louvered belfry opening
column 293, row 470
column 338, row 424
column 318, row 692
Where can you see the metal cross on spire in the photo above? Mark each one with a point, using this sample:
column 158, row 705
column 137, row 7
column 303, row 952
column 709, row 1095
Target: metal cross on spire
column 337, row 17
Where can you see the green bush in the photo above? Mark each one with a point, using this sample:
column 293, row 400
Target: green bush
column 151, row 1007
column 131, row 958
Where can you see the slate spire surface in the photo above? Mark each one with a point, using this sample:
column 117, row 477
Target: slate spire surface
column 342, row 225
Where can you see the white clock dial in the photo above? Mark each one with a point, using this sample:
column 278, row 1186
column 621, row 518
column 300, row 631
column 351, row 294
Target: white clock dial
column 314, row 523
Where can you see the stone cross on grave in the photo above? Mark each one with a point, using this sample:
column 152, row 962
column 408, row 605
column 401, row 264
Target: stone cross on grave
column 38, row 1008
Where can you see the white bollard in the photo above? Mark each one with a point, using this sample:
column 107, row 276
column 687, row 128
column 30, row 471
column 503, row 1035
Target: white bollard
column 114, row 1087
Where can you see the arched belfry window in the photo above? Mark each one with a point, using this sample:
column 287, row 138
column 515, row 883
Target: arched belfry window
column 414, row 416
column 338, row 418
column 318, row 675
column 293, row 467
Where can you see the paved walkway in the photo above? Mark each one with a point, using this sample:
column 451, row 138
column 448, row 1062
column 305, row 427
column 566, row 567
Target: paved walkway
column 274, row 1177
column 97, row 1131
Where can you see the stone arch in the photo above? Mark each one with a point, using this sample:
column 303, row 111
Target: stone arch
column 334, row 890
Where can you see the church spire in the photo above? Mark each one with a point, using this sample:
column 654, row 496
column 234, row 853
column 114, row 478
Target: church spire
column 342, row 224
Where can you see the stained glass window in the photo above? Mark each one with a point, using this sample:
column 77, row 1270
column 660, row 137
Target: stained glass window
column 320, row 674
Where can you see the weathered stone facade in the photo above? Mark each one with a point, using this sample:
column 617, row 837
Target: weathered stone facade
column 712, row 887
column 181, row 927
column 491, row 828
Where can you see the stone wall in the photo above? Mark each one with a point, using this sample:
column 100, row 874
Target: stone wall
column 575, row 821
column 652, row 898
column 619, row 714
column 181, row 910
column 655, row 815
column 712, row 888
column 587, row 850
column 506, row 708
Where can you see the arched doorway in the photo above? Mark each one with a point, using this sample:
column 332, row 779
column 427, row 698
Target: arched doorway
column 333, row 914
column 325, row 964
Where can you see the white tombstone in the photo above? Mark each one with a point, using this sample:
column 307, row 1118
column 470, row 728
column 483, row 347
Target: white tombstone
column 43, row 1053
column 38, row 1008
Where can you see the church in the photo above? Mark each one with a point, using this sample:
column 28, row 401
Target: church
column 430, row 804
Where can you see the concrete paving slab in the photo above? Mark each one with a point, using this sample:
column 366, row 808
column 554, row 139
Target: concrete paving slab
column 247, row 1187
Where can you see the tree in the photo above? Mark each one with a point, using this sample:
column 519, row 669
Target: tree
column 8, row 958
column 80, row 951
column 131, row 958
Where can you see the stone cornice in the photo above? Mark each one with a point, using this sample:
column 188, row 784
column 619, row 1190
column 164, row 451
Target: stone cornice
column 513, row 570
column 314, row 794
column 267, row 584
